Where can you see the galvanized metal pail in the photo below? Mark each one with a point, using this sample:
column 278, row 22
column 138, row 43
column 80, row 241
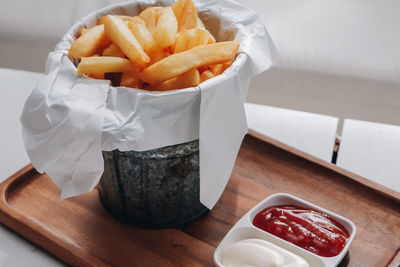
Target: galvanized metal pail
column 158, row 188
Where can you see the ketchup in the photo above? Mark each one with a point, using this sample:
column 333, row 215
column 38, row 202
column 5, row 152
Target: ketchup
column 306, row 228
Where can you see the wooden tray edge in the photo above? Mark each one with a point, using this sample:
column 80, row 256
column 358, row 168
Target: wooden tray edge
column 387, row 192
column 35, row 232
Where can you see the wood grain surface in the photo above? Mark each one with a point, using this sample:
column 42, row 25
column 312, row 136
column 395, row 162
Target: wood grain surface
column 81, row 233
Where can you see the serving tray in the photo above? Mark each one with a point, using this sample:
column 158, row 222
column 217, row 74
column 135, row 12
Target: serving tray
column 81, row 233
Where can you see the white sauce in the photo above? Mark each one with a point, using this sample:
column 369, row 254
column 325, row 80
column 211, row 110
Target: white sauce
column 259, row 253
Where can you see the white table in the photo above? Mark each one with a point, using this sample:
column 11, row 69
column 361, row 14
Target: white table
column 371, row 150
column 312, row 133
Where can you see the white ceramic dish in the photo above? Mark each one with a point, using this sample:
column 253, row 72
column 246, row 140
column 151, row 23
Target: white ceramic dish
column 245, row 229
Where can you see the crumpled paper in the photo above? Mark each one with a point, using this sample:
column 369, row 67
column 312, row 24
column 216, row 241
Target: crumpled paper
column 69, row 119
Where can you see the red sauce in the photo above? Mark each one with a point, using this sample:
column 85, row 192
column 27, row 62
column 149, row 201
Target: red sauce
column 306, row 228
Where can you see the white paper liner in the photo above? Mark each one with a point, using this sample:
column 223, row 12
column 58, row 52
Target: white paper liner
column 68, row 119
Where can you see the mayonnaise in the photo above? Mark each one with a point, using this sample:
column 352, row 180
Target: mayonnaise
column 259, row 253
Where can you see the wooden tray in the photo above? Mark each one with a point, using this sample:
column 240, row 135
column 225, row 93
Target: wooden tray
column 81, row 233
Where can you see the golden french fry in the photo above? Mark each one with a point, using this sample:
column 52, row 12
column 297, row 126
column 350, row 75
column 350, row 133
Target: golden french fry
column 182, row 40
column 98, row 65
column 126, row 41
column 185, row 80
column 216, row 69
column 130, row 79
column 122, row 17
column 200, row 25
column 89, row 43
column 100, row 21
column 188, row 39
column 211, row 40
column 200, row 37
column 157, row 54
column 82, row 31
column 205, row 75
column 177, row 7
column 113, row 51
column 179, row 63
column 167, row 28
column 150, row 16
column 139, row 20
column 188, row 17
column 226, row 64
column 142, row 34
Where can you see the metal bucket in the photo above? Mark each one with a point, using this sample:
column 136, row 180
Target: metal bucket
column 157, row 188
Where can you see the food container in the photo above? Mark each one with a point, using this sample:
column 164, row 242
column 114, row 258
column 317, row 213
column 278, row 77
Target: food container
column 157, row 188
column 244, row 229
column 146, row 145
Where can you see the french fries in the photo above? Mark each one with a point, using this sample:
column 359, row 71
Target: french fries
column 205, row 75
column 142, row 34
column 187, row 15
column 177, row 7
column 188, row 39
column 150, row 16
column 113, row 51
column 185, row 80
column 130, row 79
column 157, row 54
column 182, row 41
column 89, row 43
column 216, row 69
column 161, row 49
column 179, row 63
column 82, row 31
column 121, row 35
column 98, row 65
column 167, row 27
